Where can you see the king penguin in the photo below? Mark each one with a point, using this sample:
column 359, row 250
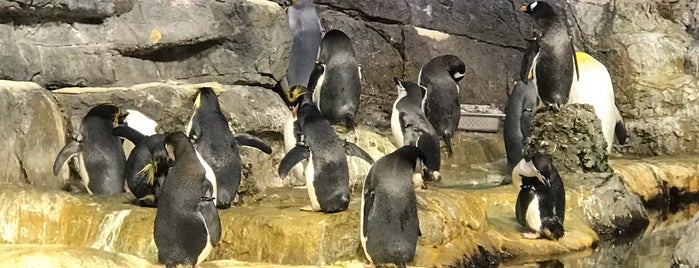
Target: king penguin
column 327, row 173
column 541, row 200
column 518, row 119
column 146, row 166
column 553, row 62
column 217, row 146
column 336, row 79
column 410, row 126
column 306, row 35
column 187, row 225
column 595, row 88
column 441, row 76
column 100, row 157
column 389, row 225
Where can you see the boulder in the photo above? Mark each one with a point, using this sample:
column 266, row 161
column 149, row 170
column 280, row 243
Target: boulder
column 233, row 42
column 33, row 134
column 686, row 250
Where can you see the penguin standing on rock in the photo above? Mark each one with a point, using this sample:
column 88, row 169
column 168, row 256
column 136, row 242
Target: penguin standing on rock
column 100, row 157
column 218, row 147
column 410, row 126
column 336, row 79
column 541, row 200
column 306, row 34
column 327, row 173
column 389, row 225
column 187, row 225
column 553, row 65
column 441, row 76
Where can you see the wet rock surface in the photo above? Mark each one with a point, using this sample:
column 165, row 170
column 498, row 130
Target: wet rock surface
column 687, row 248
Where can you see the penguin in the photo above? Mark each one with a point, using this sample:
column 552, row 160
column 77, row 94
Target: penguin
column 541, row 200
column 139, row 122
column 218, row 147
column 146, row 166
column 595, row 88
column 187, row 225
column 518, row 119
column 441, row 76
column 336, row 79
column 389, row 226
column 410, row 126
column 306, row 35
column 553, row 62
column 326, row 172
column 101, row 159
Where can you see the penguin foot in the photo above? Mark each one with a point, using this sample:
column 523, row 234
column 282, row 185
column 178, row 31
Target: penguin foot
column 300, row 187
column 531, row 235
column 307, row 208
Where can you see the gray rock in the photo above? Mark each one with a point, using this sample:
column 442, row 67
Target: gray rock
column 66, row 10
column 32, row 135
column 611, row 210
column 233, row 42
column 572, row 136
column 687, row 248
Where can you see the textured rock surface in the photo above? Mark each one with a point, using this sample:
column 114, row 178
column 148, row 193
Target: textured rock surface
column 233, row 42
column 687, row 248
column 32, row 135
column 572, row 136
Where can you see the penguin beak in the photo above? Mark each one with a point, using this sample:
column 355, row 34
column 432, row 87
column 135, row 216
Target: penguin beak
column 294, row 110
column 122, row 118
column 523, row 8
column 207, row 199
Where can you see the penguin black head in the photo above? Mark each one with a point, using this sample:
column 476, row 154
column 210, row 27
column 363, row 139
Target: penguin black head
column 455, row 67
column 540, row 10
column 206, row 98
column 177, row 144
column 411, row 90
column 297, row 97
column 106, row 111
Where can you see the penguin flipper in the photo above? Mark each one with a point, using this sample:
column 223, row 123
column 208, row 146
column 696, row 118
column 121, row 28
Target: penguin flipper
column 528, row 61
column 129, row 133
column 72, row 148
column 252, row 141
column 525, row 196
column 368, row 205
column 620, row 129
column 212, row 220
column 352, row 149
column 575, row 60
column 293, row 157
column 317, row 71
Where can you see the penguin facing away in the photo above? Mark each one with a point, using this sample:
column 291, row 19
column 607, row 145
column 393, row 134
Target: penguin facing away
column 518, row 119
column 540, row 203
column 218, row 147
column 100, row 157
column 389, row 226
column 187, row 225
column 441, row 76
column 410, row 126
column 336, row 79
column 553, row 62
column 595, row 88
column 326, row 172
column 146, row 166
column 306, row 33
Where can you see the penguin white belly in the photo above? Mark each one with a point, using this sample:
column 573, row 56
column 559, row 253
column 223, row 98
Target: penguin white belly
column 210, row 176
column 362, row 237
column 595, row 88
column 318, row 88
column 289, row 143
column 207, row 249
column 533, row 216
column 84, row 177
column 310, row 174
column 395, row 126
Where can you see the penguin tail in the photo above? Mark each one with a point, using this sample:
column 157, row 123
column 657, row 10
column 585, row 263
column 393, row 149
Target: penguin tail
column 447, row 140
column 552, row 228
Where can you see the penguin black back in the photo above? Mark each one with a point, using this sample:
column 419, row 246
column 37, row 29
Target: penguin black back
column 306, row 33
column 518, row 118
column 146, row 166
column 186, row 222
column 390, row 224
column 215, row 141
column 441, row 77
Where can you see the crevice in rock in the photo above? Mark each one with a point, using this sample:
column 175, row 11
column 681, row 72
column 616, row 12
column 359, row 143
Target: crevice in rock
column 358, row 13
column 32, row 17
column 170, row 53
column 576, row 25
column 23, row 176
column 398, row 46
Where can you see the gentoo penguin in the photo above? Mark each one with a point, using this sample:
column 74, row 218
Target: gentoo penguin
column 553, row 64
column 410, row 126
column 541, row 201
column 218, row 147
column 306, row 35
column 389, row 222
column 518, row 118
column 186, row 225
column 137, row 121
column 336, row 80
column 101, row 159
column 327, row 174
column 441, row 76
column 146, row 166
column 595, row 88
